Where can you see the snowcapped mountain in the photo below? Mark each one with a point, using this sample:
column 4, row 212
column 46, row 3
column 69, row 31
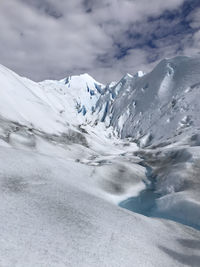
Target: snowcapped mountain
column 151, row 108
column 158, row 106
column 55, row 103
column 74, row 153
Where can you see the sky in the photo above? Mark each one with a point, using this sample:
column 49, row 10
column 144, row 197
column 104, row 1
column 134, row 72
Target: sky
column 48, row 39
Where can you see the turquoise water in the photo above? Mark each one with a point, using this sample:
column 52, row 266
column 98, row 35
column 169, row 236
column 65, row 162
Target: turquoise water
column 145, row 202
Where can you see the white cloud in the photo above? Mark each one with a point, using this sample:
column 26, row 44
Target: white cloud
column 52, row 39
column 194, row 18
column 195, row 47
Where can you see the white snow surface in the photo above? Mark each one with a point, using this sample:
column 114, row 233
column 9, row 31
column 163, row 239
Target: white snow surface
column 162, row 98
column 47, row 106
column 64, row 169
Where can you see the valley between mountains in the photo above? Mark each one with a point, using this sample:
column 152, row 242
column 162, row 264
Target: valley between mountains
column 101, row 175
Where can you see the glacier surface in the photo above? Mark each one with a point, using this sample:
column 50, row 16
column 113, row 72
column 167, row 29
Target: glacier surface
column 74, row 152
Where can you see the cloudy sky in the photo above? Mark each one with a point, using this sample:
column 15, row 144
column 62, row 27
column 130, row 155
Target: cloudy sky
column 43, row 39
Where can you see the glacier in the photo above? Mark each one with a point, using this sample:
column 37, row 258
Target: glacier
column 101, row 175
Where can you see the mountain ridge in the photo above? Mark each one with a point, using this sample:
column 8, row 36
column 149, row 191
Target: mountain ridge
column 136, row 106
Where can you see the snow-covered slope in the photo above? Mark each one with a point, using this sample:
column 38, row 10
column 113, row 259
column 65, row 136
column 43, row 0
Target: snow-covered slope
column 151, row 108
column 64, row 172
column 157, row 106
column 49, row 106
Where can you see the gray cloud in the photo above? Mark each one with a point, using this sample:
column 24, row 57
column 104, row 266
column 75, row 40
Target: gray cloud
column 52, row 39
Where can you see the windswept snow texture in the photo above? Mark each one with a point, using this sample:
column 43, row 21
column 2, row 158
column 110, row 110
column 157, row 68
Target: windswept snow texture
column 64, row 171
